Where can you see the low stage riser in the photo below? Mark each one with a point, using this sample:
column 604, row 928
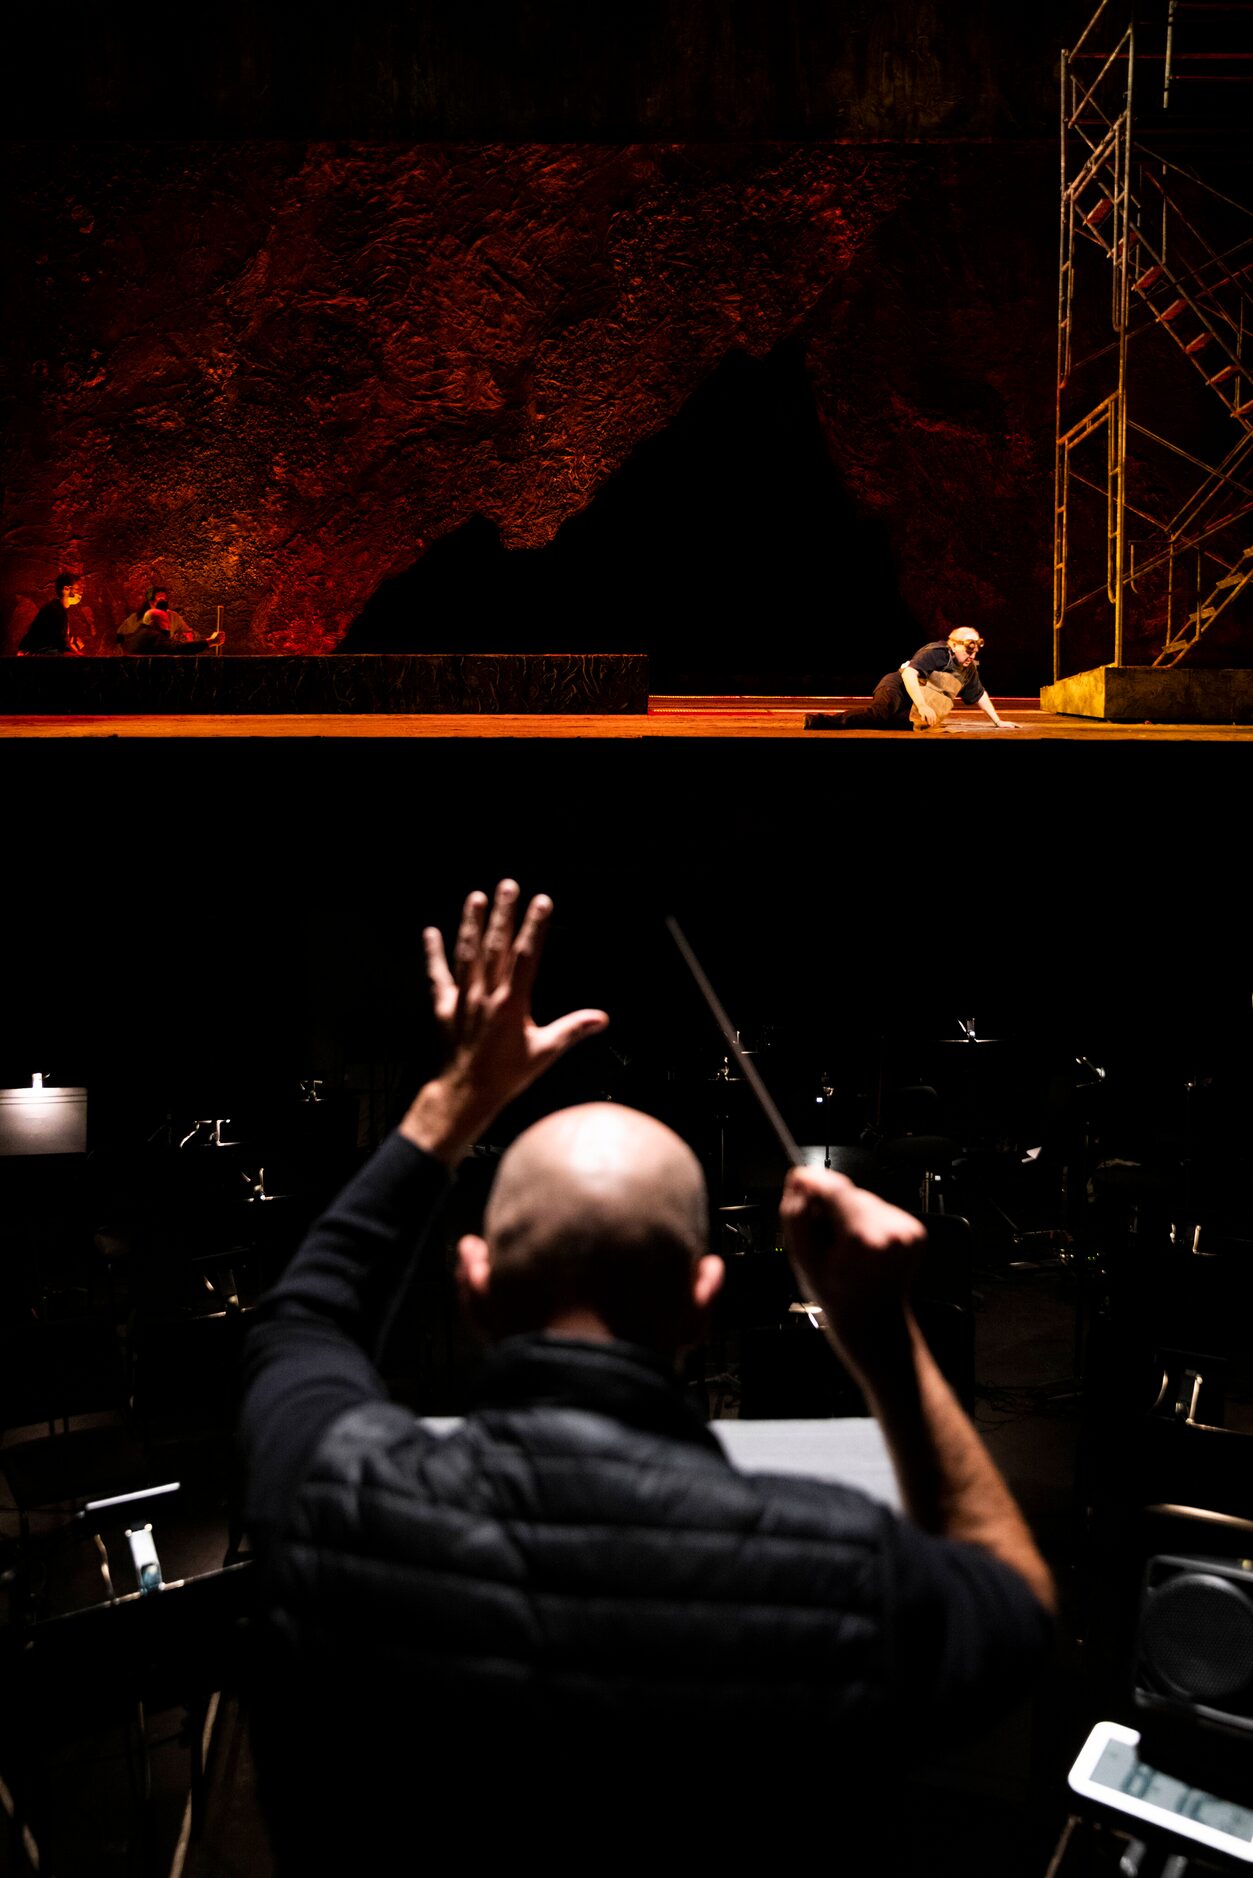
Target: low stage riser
column 599, row 683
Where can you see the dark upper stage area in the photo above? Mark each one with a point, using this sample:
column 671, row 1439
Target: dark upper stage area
column 555, row 70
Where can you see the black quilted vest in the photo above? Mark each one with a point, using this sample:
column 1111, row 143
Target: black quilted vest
column 574, row 1580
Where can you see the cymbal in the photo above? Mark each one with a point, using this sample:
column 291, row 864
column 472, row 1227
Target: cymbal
column 741, row 1206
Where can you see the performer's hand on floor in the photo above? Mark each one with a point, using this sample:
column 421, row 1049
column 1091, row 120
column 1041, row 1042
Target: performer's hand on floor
column 483, row 1009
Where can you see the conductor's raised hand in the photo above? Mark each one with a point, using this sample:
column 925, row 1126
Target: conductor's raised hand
column 494, row 1049
column 857, row 1256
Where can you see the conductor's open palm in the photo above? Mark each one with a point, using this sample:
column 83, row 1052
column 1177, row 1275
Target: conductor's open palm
column 483, row 1004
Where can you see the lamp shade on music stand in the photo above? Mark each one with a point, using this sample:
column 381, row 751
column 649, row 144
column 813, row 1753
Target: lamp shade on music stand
column 43, row 1121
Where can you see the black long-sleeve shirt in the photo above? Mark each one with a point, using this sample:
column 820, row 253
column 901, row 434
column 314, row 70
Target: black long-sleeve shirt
column 311, row 1350
column 48, row 631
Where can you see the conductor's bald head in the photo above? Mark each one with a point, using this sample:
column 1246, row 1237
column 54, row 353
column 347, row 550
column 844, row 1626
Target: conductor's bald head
column 597, row 1225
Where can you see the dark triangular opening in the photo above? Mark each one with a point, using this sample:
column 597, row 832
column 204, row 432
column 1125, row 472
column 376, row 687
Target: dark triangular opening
column 727, row 548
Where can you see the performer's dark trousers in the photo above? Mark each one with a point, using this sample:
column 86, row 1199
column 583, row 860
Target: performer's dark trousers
column 888, row 708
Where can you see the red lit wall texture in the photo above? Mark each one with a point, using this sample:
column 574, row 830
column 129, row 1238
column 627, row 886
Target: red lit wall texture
column 269, row 373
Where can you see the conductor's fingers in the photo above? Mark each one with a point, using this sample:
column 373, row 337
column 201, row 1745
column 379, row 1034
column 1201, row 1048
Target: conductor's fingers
column 496, row 940
column 438, row 975
column 470, row 938
column 528, row 946
column 553, row 1040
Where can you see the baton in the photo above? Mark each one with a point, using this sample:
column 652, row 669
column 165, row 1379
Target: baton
column 751, row 1077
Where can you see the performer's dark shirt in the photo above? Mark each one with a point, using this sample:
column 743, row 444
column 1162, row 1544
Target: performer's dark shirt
column 47, row 631
column 937, row 657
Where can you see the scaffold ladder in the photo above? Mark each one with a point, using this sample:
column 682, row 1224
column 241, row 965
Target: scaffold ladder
column 1142, row 214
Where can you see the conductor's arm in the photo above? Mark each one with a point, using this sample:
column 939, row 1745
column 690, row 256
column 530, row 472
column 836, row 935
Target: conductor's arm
column 309, row 1355
column 857, row 1256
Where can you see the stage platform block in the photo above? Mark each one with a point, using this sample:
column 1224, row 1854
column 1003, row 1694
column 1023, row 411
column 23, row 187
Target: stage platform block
column 1140, row 694
column 569, row 683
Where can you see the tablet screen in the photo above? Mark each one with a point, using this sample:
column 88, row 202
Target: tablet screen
column 1121, row 1770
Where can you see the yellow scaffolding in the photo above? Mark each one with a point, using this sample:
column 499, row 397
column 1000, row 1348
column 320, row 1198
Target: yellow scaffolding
column 1147, row 105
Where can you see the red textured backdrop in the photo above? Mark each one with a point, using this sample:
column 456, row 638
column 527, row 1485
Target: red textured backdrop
column 270, row 374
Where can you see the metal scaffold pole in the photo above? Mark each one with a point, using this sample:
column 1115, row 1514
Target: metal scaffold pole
column 1156, row 194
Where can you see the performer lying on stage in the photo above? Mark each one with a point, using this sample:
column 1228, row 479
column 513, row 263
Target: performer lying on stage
column 922, row 692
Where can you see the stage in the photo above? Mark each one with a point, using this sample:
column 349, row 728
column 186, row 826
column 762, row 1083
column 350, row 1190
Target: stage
column 772, row 719
column 567, row 696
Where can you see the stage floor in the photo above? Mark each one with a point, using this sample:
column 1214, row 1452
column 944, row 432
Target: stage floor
column 726, row 717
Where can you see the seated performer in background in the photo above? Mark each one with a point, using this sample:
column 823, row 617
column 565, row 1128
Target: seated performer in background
column 160, row 629
column 571, row 1619
column 49, row 632
column 920, row 694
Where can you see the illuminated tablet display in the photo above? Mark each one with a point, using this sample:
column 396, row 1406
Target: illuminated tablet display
column 1119, row 1769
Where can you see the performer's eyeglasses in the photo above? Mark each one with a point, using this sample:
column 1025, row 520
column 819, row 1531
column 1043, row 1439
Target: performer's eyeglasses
column 971, row 645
